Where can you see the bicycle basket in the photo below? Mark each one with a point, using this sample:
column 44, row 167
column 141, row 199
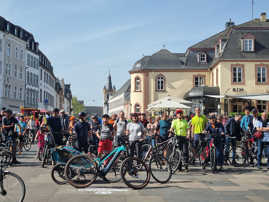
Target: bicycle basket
column 63, row 154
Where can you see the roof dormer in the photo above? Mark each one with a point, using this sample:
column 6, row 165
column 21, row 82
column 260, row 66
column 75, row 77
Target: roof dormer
column 202, row 58
column 248, row 43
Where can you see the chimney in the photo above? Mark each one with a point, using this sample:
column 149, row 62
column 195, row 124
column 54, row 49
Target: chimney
column 263, row 17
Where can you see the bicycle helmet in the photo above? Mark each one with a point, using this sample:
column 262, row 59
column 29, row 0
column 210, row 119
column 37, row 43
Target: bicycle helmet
column 82, row 114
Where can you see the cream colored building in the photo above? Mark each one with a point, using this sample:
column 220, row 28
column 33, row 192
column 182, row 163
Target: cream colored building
column 213, row 73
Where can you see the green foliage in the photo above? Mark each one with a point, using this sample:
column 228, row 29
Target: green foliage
column 77, row 106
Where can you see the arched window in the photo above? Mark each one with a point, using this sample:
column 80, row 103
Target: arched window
column 137, row 108
column 137, row 84
column 160, row 83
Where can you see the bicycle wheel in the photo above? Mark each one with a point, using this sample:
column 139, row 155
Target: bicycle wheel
column 57, row 174
column 12, row 188
column 135, row 173
column 27, row 144
column 160, row 169
column 45, row 157
column 81, row 171
column 174, row 160
column 213, row 160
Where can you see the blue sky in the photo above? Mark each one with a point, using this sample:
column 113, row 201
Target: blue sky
column 84, row 39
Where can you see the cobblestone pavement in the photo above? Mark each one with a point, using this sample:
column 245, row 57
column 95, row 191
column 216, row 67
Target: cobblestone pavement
column 235, row 184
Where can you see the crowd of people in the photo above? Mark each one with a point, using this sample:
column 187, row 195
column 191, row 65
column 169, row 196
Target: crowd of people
column 101, row 134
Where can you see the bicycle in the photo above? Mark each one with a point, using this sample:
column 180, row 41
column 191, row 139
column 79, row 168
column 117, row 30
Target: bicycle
column 86, row 168
column 12, row 187
column 175, row 155
column 247, row 150
column 48, row 149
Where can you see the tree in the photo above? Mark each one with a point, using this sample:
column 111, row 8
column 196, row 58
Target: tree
column 77, row 106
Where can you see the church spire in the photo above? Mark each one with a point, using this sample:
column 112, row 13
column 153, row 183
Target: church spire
column 109, row 83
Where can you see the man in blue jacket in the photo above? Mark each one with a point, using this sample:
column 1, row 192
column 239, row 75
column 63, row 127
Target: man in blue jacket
column 247, row 122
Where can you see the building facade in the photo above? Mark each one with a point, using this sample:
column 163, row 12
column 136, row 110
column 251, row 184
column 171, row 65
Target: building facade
column 213, row 73
column 47, row 91
column 12, row 65
column 32, row 75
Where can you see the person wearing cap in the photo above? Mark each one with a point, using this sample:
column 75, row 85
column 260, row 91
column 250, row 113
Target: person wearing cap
column 216, row 131
column 105, row 135
column 54, row 123
column 180, row 128
column 198, row 124
column 9, row 123
column 83, row 130
column 135, row 131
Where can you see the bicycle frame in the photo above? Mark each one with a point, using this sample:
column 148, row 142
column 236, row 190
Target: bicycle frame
column 115, row 153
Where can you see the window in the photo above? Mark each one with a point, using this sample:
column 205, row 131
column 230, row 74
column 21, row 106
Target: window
column 199, row 80
column 8, row 92
column 137, row 84
column 28, row 78
column 31, row 78
column 8, row 69
column 248, row 45
column 15, row 93
column 237, row 108
column 28, row 60
column 15, row 71
column 20, row 94
column 41, row 73
column 32, row 61
column 16, row 53
column 8, row 27
column 8, row 50
column 21, row 55
column 160, row 83
column 16, row 31
column 261, row 106
column 1, row 68
column 21, row 34
column 237, row 74
column 20, row 75
column 202, row 58
column 261, row 74
column 217, row 77
column 40, row 95
column 137, row 108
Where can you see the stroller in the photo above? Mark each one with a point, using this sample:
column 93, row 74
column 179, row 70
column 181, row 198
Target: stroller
column 60, row 156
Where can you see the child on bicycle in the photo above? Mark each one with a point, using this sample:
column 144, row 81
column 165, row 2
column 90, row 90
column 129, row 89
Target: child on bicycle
column 40, row 138
column 216, row 131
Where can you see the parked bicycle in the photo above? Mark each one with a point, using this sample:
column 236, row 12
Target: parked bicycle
column 12, row 187
column 86, row 168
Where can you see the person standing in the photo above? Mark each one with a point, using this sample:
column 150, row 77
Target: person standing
column 135, row 131
column 65, row 123
column 54, row 122
column 120, row 128
column 105, row 136
column 215, row 129
column 163, row 128
column 83, row 130
column 32, row 126
column 263, row 142
column 9, row 123
column 246, row 123
column 198, row 123
column 232, row 129
column 180, row 128
column 21, row 131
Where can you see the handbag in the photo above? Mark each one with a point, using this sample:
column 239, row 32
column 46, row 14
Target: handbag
column 258, row 135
